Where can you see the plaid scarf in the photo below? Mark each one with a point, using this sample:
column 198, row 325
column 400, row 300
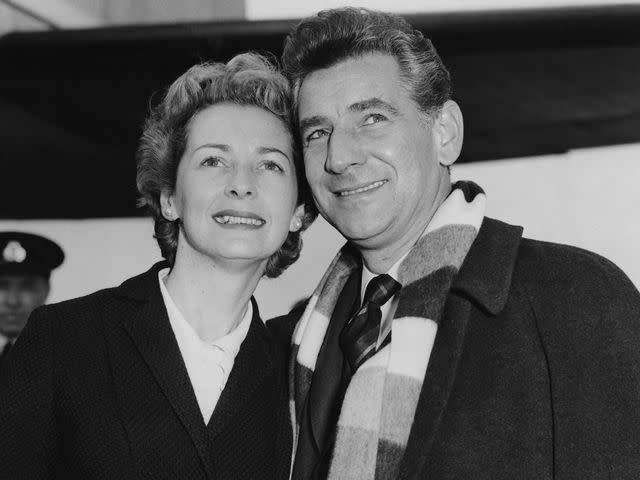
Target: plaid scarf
column 381, row 399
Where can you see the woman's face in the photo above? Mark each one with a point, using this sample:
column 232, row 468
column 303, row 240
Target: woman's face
column 236, row 187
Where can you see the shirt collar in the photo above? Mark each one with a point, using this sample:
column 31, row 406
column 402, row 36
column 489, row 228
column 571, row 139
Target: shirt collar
column 368, row 275
column 185, row 333
column 3, row 341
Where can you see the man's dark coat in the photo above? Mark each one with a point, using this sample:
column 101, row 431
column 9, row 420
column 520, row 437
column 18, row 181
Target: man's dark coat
column 96, row 388
column 535, row 370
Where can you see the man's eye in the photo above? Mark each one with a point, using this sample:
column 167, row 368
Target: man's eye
column 212, row 162
column 316, row 134
column 272, row 166
column 374, row 118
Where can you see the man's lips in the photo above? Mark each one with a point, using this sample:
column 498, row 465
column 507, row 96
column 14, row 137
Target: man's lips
column 14, row 315
column 366, row 187
column 238, row 217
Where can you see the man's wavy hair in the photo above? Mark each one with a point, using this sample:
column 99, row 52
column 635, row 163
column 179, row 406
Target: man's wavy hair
column 247, row 79
column 335, row 35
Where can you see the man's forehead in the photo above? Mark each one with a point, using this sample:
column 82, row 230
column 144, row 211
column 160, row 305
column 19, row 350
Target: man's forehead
column 351, row 85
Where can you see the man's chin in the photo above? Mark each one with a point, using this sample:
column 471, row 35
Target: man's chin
column 10, row 327
column 362, row 233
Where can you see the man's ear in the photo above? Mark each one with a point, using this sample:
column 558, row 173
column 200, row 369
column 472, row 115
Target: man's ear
column 167, row 206
column 296, row 220
column 449, row 133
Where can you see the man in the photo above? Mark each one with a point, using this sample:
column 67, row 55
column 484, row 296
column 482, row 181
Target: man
column 26, row 262
column 473, row 352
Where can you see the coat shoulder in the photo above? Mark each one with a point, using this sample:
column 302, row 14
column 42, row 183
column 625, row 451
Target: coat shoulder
column 85, row 313
column 85, row 303
column 572, row 291
column 563, row 269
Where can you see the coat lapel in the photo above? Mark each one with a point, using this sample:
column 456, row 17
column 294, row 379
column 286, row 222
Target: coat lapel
column 484, row 279
column 252, row 368
column 151, row 332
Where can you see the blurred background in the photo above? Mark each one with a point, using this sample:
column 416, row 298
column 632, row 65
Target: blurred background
column 550, row 91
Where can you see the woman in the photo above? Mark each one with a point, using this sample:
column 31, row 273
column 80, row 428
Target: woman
column 173, row 374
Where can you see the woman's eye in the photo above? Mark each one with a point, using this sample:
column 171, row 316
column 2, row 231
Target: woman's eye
column 374, row 118
column 272, row 166
column 212, row 162
column 316, row 134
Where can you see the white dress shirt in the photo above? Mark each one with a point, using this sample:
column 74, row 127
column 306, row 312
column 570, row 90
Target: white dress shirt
column 3, row 341
column 208, row 364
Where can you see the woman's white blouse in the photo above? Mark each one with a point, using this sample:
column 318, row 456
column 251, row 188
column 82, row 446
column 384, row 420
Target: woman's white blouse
column 208, row 364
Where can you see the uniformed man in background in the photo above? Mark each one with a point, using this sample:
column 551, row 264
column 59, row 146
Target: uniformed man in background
column 26, row 262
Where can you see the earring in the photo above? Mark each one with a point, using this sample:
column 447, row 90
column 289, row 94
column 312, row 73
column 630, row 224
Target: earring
column 297, row 224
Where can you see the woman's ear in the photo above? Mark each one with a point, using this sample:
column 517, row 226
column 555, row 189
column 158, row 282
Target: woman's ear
column 449, row 130
column 167, row 206
column 296, row 220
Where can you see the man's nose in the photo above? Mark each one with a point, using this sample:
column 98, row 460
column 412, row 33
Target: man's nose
column 12, row 297
column 242, row 183
column 343, row 152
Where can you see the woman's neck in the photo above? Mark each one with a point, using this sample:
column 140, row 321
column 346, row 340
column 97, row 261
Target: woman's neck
column 213, row 298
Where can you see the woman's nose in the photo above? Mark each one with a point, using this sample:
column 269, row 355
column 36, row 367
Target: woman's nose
column 241, row 184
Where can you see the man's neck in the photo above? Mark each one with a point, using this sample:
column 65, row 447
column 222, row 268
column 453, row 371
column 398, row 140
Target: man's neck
column 382, row 260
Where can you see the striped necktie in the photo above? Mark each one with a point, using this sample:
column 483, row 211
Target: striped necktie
column 359, row 337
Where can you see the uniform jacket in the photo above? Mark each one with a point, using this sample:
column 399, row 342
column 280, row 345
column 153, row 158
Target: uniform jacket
column 4, row 349
column 535, row 370
column 95, row 388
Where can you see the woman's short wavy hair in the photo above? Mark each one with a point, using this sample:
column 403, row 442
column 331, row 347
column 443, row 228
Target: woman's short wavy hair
column 247, row 79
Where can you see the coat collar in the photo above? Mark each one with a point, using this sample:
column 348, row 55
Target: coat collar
column 141, row 287
column 485, row 275
column 253, row 368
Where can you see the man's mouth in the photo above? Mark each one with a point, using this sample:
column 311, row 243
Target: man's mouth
column 362, row 189
column 13, row 316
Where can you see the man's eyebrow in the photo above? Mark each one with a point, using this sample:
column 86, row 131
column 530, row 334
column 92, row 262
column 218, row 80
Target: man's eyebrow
column 313, row 121
column 373, row 102
column 360, row 106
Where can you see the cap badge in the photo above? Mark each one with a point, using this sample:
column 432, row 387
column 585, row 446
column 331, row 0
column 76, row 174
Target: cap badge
column 14, row 253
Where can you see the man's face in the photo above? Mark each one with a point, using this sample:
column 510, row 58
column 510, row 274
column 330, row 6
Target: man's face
column 370, row 155
column 20, row 294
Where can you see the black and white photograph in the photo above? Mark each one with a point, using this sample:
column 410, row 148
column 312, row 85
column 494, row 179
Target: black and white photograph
column 319, row 240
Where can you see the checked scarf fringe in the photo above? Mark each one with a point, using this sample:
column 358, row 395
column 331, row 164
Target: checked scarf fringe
column 380, row 402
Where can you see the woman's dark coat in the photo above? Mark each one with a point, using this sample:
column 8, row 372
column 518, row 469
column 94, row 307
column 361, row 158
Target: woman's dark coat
column 96, row 388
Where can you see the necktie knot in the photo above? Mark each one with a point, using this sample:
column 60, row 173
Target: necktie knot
column 380, row 289
column 359, row 338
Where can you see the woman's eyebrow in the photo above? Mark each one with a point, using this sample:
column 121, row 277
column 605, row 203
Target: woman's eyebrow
column 220, row 146
column 264, row 150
